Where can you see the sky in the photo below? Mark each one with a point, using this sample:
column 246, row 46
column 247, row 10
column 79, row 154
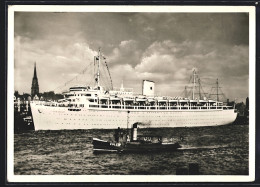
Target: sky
column 162, row 47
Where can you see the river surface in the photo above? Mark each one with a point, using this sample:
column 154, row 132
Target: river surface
column 220, row 150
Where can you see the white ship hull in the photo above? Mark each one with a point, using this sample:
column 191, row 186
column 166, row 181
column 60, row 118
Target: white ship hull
column 59, row 118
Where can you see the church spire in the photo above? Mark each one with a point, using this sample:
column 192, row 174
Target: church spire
column 35, row 85
column 35, row 73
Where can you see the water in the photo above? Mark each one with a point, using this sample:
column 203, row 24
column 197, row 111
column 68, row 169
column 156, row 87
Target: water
column 221, row 150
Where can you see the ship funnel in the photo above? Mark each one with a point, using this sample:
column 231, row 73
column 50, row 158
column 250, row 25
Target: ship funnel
column 148, row 88
column 134, row 132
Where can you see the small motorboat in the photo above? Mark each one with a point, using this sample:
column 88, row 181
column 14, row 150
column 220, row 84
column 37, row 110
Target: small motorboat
column 27, row 120
column 137, row 144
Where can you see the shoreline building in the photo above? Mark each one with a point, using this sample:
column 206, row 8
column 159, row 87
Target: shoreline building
column 35, row 85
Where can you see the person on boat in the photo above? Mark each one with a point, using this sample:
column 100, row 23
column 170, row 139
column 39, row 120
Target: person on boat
column 121, row 136
column 127, row 138
column 117, row 134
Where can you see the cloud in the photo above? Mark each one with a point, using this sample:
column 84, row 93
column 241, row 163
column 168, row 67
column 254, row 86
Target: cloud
column 156, row 63
column 162, row 57
column 175, row 62
column 163, row 47
column 127, row 52
column 55, row 65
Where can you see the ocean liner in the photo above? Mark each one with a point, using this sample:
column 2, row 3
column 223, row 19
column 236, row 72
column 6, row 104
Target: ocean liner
column 85, row 107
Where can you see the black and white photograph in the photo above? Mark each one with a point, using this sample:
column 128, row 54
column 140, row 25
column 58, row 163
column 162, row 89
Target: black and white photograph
column 131, row 94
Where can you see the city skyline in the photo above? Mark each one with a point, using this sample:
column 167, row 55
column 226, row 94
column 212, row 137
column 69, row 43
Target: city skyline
column 163, row 47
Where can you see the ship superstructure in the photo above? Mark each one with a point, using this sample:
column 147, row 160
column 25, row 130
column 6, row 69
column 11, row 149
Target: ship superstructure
column 85, row 107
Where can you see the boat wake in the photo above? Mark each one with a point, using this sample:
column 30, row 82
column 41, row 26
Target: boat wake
column 183, row 148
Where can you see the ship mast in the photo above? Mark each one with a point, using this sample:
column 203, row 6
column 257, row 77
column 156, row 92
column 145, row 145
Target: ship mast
column 97, row 64
column 199, row 89
column 217, row 89
column 194, row 84
column 98, row 73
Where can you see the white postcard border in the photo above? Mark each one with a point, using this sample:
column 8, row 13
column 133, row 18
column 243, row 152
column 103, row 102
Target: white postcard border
column 128, row 178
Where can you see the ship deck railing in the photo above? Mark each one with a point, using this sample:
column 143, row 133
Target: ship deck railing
column 157, row 107
column 141, row 107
